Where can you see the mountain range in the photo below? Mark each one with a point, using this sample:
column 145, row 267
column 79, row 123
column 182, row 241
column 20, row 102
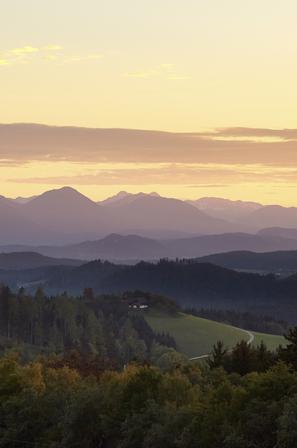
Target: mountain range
column 67, row 217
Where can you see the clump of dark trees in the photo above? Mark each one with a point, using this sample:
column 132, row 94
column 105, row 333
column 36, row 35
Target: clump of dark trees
column 245, row 358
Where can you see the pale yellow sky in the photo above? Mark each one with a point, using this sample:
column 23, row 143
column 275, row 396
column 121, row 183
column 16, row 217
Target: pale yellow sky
column 181, row 66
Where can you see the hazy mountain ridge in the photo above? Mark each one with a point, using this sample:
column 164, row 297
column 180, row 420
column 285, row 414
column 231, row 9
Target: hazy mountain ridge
column 282, row 232
column 225, row 208
column 65, row 216
column 274, row 216
column 123, row 248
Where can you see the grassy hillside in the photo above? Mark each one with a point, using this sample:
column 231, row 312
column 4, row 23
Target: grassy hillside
column 196, row 336
column 271, row 340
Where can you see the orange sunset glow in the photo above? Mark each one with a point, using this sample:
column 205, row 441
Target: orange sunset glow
column 204, row 93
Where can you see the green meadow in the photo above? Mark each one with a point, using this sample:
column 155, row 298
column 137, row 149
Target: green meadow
column 196, row 336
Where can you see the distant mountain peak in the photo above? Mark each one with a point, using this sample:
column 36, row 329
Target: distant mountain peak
column 62, row 194
column 117, row 197
column 124, row 198
column 23, row 200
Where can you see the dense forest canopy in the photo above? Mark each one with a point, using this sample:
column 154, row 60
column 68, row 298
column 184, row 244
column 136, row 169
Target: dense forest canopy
column 109, row 327
column 72, row 402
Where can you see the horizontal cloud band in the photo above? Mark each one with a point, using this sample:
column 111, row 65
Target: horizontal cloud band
column 20, row 143
column 162, row 174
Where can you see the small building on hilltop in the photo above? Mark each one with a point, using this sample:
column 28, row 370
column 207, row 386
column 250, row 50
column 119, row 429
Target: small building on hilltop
column 138, row 303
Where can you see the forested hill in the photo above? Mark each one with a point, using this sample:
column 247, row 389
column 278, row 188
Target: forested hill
column 108, row 327
column 31, row 260
column 190, row 283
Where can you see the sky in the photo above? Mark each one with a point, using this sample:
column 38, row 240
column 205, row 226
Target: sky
column 188, row 66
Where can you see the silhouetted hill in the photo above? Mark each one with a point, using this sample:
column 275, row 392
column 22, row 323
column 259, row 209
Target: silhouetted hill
column 281, row 232
column 119, row 247
column 213, row 244
column 135, row 248
column 280, row 261
column 190, row 283
column 31, row 260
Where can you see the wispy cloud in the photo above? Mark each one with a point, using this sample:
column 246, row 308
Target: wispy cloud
column 50, row 52
column 24, row 50
column 162, row 71
column 27, row 53
column 193, row 175
column 88, row 57
column 53, row 48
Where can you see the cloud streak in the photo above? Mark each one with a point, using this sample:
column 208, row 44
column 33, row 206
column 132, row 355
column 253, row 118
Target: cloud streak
column 254, row 133
column 51, row 52
column 24, row 50
column 22, row 143
column 165, row 174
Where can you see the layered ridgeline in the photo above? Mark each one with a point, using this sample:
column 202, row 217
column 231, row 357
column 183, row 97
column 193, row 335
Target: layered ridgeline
column 279, row 262
column 190, row 283
column 133, row 248
column 65, row 216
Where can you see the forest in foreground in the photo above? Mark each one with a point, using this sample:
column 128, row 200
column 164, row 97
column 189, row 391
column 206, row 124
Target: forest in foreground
column 89, row 372
column 69, row 402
